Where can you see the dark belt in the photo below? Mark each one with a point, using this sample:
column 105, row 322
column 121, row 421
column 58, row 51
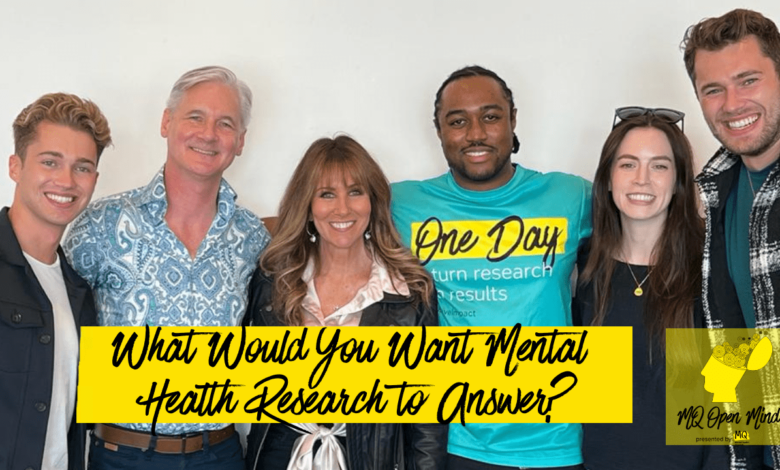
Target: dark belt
column 183, row 444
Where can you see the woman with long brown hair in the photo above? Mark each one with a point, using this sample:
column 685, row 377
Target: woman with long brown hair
column 337, row 260
column 642, row 268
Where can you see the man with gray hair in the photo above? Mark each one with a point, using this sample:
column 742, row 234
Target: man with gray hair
column 177, row 252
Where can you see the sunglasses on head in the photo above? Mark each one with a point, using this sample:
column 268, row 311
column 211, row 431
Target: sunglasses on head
column 672, row 116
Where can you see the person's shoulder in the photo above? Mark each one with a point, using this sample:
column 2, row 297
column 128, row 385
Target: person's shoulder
column 567, row 181
column 106, row 210
column 260, row 279
column 248, row 223
column 721, row 162
column 415, row 187
column 245, row 216
column 119, row 201
column 562, row 186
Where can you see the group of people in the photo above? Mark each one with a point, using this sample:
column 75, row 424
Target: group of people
column 489, row 243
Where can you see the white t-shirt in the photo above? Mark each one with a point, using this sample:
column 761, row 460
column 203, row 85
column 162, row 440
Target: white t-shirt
column 66, row 358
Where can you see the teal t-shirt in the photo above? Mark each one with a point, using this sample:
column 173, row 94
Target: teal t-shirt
column 738, row 207
column 501, row 257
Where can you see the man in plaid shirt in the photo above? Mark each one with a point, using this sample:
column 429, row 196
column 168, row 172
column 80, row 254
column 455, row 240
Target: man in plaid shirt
column 734, row 64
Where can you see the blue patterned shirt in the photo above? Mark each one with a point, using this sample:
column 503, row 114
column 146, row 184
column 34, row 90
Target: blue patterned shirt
column 142, row 274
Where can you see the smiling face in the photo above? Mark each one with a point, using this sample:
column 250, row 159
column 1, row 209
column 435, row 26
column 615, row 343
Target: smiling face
column 643, row 177
column 341, row 211
column 55, row 179
column 739, row 93
column 204, row 132
column 476, row 132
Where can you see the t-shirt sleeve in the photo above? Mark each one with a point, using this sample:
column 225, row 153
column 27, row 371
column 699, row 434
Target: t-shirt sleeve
column 586, row 211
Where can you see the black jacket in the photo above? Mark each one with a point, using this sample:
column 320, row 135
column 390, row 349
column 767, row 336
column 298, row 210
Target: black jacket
column 27, row 355
column 721, row 304
column 369, row 446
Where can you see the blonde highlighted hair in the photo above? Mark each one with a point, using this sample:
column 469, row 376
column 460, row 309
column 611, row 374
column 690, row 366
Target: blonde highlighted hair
column 64, row 109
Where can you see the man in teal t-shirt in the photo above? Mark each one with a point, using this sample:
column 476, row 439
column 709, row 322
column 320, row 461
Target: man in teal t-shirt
column 500, row 241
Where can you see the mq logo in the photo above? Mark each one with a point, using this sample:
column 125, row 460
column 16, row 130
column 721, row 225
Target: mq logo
column 741, row 437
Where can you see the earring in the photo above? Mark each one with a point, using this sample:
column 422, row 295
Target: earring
column 312, row 237
column 367, row 235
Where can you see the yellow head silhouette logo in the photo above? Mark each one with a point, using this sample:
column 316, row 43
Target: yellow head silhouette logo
column 728, row 364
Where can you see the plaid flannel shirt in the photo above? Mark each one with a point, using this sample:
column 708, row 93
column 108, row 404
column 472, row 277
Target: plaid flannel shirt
column 719, row 296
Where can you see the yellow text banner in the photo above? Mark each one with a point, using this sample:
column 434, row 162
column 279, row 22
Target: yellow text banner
column 366, row 374
column 493, row 240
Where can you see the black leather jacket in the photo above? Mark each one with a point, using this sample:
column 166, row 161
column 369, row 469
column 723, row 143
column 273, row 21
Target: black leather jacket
column 369, row 446
column 27, row 355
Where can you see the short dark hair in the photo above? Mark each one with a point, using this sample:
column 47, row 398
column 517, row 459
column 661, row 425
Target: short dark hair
column 713, row 34
column 470, row 71
column 64, row 109
column 475, row 71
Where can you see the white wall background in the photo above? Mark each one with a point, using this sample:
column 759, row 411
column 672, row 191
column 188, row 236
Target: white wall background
column 366, row 68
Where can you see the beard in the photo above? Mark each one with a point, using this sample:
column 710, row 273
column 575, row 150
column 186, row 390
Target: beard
column 482, row 174
column 768, row 137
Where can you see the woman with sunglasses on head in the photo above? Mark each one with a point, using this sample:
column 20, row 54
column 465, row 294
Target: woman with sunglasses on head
column 642, row 268
column 337, row 260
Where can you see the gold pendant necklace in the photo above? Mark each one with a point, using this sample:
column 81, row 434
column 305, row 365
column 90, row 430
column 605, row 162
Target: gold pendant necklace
column 638, row 291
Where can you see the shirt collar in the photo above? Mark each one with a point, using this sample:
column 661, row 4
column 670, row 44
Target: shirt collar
column 379, row 282
column 380, row 276
column 153, row 200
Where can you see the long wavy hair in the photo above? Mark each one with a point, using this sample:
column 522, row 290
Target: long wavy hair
column 290, row 249
column 676, row 257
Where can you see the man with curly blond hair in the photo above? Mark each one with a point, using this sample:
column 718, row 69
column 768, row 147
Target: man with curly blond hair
column 43, row 302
